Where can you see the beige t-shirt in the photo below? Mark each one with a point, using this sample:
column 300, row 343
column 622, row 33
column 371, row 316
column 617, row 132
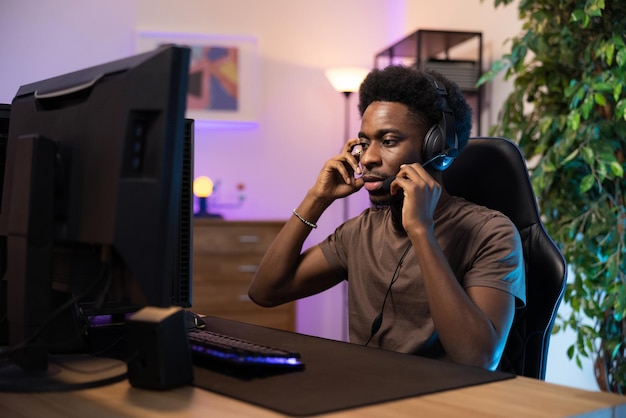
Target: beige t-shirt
column 482, row 246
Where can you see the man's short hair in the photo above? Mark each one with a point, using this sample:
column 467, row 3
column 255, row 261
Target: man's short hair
column 410, row 87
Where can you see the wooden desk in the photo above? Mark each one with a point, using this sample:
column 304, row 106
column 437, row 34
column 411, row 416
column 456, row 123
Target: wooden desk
column 330, row 364
column 519, row 397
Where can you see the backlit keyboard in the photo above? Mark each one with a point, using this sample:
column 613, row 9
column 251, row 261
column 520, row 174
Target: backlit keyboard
column 213, row 348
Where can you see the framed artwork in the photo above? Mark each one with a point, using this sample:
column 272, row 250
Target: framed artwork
column 222, row 75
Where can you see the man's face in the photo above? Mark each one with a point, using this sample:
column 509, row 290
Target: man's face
column 390, row 138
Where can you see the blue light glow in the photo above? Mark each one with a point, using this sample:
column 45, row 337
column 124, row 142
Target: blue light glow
column 291, row 361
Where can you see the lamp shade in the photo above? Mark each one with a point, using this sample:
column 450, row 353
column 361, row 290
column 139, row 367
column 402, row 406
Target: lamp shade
column 346, row 79
column 203, row 186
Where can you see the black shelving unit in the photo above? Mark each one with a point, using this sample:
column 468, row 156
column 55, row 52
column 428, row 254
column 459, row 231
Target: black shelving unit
column 457, row 55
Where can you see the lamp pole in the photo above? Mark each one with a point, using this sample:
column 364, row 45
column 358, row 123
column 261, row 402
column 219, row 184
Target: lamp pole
column 346, row 135
column 346, row 81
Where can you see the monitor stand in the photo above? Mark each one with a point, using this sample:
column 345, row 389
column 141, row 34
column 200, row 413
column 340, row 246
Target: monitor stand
column 65, row 372
column 27, row 365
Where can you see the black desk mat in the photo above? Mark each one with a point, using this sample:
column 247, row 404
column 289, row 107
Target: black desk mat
column 337, row 376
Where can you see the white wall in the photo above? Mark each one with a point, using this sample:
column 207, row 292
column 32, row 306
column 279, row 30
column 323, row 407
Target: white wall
column 43, row 38
column 300, row 121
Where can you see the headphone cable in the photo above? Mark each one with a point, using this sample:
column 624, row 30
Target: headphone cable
column 378, row 321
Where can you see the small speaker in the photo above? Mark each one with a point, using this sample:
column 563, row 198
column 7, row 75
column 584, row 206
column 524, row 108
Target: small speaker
column 158, row 350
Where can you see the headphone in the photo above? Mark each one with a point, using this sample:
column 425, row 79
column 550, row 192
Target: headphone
column 441, row 144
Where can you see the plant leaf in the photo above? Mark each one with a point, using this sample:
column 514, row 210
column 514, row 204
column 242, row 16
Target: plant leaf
column 617, row 169
column 570, row 157
column 573, row 120
column 599, row 98
column 577, row 15
column 496, row 68
column 588, row 155
column 621, row 57
column 586, row 183
column 617, row 91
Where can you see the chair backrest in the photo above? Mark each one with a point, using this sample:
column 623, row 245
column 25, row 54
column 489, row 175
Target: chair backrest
column 492, row 172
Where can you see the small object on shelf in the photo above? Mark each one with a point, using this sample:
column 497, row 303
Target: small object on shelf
column 205, row 190
column 203, row 210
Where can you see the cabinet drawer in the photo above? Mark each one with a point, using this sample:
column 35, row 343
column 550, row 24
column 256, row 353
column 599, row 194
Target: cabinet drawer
column 224, row 296
column 225, row 268
column 230, row 300
column 234, row 239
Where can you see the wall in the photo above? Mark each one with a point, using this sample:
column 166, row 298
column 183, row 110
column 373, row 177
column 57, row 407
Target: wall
column 301, row 117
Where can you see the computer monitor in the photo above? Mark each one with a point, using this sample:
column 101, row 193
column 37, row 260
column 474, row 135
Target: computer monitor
column 97, row 203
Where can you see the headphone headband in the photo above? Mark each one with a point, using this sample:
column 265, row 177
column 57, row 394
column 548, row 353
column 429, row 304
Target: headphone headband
column 441, row 154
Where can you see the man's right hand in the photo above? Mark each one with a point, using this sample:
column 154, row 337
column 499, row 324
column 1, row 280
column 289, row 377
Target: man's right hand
column 337, row 178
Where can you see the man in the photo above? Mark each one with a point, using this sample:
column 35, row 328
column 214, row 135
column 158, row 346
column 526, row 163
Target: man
column 428, row 273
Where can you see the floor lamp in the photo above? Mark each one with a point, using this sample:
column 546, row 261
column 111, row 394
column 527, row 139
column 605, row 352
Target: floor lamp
column 346, row 80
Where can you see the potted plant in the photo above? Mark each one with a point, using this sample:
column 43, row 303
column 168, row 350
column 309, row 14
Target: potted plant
column 567, row 112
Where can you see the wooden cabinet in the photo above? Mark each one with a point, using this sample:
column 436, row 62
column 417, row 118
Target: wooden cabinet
column 225, row 257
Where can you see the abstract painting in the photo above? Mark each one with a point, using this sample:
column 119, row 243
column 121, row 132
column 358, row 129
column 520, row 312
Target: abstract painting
column 222, row 75
column 213, row 78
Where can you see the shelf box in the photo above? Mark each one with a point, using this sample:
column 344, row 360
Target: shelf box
column 464, row 73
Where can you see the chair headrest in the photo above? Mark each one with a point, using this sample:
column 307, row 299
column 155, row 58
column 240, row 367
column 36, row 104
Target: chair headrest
column 492, row 172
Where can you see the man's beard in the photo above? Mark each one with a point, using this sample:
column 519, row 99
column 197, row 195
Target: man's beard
column 394, row 203
column 385, row 199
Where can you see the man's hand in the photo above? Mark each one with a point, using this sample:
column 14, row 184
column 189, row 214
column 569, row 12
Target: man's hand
column 337, row 178
column 421, row 195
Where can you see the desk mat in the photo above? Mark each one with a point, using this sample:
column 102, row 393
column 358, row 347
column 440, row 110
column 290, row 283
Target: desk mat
column 337, row 376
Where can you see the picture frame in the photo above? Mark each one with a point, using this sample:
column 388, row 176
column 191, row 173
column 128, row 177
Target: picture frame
column 223, row 86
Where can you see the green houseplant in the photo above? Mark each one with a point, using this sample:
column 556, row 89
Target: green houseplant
column 567, row 112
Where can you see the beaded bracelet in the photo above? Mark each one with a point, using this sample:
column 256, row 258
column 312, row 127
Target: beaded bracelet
column 304, row 221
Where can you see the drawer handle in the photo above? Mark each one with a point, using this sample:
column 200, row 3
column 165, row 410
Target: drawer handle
column 249, row 239
column 247, row 268
column 244, row 298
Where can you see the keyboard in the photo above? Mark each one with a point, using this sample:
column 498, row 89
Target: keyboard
column 211, row 349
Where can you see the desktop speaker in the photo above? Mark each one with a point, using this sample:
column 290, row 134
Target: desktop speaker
column 158, row 350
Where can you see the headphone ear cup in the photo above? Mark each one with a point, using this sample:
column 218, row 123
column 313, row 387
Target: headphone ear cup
column 436, row 149
column 434, row 144
column 441, row 144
